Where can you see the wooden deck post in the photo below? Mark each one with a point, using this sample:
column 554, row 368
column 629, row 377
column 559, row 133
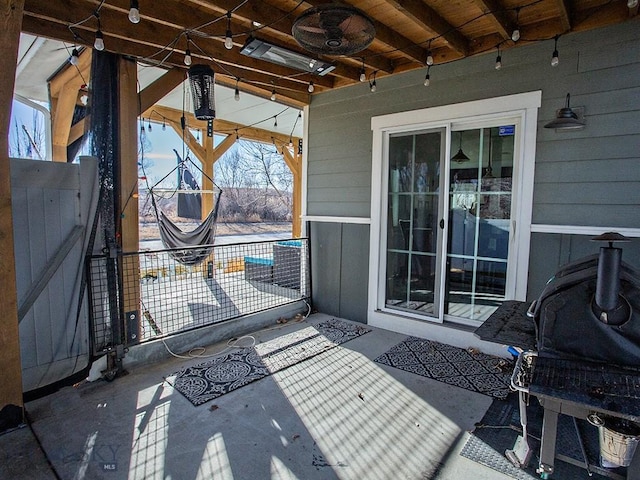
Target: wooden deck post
column 11, row 404
column 294, row 162
column 128, row 201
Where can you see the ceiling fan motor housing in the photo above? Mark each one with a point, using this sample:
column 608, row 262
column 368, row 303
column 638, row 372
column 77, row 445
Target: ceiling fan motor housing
column 334, row 29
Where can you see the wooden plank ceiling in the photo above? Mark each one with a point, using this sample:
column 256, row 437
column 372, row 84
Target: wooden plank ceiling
column 406, row 31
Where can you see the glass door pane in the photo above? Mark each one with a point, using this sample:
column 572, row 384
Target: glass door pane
column 479, row 221
column 412, row 222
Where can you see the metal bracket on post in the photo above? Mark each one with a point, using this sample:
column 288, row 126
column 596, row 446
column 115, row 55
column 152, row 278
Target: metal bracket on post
column 114, row 362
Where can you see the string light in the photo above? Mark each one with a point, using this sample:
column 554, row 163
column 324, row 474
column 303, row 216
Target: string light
column 98, row 44
column 164, row 124
column 427, row 77
column 290, row 142
column 429, row 55
column 149, row 124
column 273, row 95
column 372, row 86
column 632, row 3
column 498, row 60
column 555, row 60
column 275, row 121
column 311, row 88
column 142, row 130
column 236, row 93
column 363, row 72
column 228, row 39
column 75, row 57
column 515, row 36
column 187, row 53
column 134, row 12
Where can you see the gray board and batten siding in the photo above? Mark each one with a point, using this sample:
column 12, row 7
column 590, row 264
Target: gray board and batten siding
column 588, row 177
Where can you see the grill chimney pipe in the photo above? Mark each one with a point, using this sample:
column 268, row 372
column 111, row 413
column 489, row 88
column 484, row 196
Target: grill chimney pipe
column 609, row 306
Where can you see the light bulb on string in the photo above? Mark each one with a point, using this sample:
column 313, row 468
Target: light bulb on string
column 275, row 122
column 498, row 60
column 363, row 73
column 429, row 55
column 372, row 85
column 555, row 60
column 290, row 142
column 75, row 57
column 149, row 124
column 427, row 77
column 515, row 36
column 187, row 57
column 273, row 95
column 228, row 38
column 99, row 42
column 311, row 88
column 632, row 3
column 236, row 92
column 134, row 12
column 164, row 125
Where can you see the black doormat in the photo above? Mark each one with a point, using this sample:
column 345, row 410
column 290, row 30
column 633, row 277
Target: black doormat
column 467, row 369
column 231, row 370
column 500, row 427
column 509, row 325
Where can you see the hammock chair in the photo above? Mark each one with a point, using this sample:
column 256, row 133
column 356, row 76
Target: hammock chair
column 203, row 235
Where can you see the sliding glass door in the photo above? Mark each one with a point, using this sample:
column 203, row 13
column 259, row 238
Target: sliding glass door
column 448, row 221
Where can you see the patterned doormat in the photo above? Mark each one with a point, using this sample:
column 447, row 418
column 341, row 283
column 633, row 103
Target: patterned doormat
column 470, row 370
column 241, row 366
column 500, row 427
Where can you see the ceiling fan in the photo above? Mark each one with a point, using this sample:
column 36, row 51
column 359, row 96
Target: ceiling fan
column 334, row 29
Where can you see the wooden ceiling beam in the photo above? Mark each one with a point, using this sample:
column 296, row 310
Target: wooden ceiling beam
column 157, row 36
column 498, row 14
column 183, row 19
column 291, row 93
column 157, row 90
column 223, row 127
column 428, row 18
column 565, row 16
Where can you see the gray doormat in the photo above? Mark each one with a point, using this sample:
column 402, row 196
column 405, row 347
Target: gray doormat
column 509, row 325
column 241, row 366
column 500, row 427
column 470, row 370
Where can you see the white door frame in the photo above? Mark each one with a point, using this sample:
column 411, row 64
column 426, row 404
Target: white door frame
column 524, row 108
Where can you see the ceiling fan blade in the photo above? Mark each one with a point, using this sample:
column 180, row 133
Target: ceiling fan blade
column 312, row 29
column 353, row 24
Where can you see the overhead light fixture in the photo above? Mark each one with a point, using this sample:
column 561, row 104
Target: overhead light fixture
column 75, row 57
column 632, row 3
column 555, row 59
column 460, row 156
column 228, row 38
column 99, row 42
column 566, row 119
column 515, row 35
column 281, row 56
column 134, row 12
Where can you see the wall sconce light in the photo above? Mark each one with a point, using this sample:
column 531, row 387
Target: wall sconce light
column 568, row 118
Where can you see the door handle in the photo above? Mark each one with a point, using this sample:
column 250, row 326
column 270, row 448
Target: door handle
column 442, row 223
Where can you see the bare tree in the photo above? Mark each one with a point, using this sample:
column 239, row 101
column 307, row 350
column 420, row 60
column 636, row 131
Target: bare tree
column 28, row 142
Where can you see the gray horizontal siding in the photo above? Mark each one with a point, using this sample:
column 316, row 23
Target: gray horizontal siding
column 587, row 177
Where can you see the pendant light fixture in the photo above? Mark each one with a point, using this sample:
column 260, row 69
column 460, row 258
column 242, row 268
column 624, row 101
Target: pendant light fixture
column 566, row 119
column 460, row 156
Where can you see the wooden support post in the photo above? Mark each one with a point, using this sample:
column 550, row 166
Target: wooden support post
column 63, row 97
column 294, row 162
column 11, row 404
column 128, row 201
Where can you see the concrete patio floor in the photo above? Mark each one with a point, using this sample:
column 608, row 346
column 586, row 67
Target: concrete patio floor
column 337, row 415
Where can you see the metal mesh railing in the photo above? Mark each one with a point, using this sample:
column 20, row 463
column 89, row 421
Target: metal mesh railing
column 159, row 296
